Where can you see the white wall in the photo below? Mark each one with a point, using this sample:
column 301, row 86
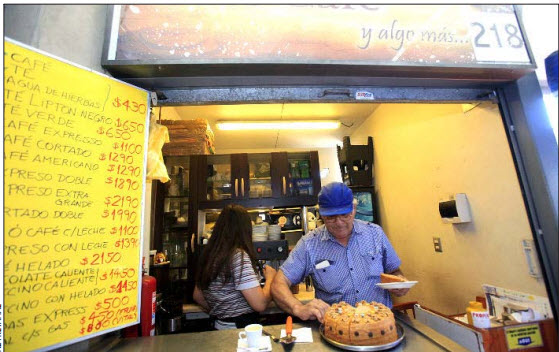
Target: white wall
column 166, row 113
column 424, row 153
column 71, row 32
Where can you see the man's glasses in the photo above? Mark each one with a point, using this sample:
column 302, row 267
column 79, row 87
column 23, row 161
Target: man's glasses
column 333, row 218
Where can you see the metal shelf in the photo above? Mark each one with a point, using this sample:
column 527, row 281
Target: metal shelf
column 179, row 225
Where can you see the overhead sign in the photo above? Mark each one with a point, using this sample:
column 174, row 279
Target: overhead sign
column 364, row 34
column 74, row 165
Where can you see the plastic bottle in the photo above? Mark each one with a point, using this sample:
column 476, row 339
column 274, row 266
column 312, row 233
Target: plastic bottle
column 477, row 315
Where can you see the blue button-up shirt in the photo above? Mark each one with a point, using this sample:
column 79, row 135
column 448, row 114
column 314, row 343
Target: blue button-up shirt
column 353, row 270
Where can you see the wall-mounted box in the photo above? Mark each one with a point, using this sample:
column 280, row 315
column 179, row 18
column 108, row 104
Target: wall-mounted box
column 456, row 209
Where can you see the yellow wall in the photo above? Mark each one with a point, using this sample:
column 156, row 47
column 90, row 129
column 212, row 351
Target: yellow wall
column 167, row 113
column 426, row 152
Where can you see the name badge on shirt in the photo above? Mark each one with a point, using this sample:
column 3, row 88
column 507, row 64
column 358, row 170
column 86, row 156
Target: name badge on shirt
column 323, row 264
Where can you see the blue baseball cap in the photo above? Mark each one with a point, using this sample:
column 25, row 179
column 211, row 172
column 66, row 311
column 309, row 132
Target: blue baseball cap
column 335, row 199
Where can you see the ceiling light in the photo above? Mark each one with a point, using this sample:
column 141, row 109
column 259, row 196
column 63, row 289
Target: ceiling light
column 278, row 125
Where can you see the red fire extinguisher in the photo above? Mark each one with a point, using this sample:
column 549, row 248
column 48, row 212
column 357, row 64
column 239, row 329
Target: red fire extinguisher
column 147, row 312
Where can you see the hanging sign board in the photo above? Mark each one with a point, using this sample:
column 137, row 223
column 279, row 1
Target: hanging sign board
column 74, row 165
column 358, row 34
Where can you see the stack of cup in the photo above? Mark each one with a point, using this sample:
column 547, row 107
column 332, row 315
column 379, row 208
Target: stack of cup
column 260, row 232
column 274, row 232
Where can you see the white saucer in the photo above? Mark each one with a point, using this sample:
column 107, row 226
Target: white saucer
column 393, row 285
column 265, row 345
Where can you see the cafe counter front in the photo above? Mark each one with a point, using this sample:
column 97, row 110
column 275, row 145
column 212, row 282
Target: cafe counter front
column 417, row 337
column 424, row 329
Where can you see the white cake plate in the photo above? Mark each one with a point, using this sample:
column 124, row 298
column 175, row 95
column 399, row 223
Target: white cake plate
column 399, row 331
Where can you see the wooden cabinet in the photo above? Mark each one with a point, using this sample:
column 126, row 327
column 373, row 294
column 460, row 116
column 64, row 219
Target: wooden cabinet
column 277, row 179
column 296, row 178
column 222, row 178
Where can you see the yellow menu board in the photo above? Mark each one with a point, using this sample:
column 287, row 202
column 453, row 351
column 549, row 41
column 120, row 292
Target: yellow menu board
column 74, row 165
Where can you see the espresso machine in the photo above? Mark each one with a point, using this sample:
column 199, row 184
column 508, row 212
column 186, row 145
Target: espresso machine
column 271, row 253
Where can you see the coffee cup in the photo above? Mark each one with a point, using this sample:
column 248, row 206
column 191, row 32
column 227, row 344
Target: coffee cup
column 252, row 334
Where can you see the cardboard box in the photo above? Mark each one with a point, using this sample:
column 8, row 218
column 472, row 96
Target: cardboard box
column 188, row 137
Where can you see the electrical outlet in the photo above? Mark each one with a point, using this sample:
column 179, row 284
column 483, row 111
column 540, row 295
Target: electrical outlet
column 437, row 244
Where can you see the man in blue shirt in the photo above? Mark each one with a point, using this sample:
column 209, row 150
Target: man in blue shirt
column 345, row 258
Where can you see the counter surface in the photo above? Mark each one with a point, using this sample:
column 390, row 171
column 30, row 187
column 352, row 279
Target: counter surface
column 194, row 311
column 418, row 337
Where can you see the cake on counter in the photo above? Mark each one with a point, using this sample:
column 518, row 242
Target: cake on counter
column 366, row 324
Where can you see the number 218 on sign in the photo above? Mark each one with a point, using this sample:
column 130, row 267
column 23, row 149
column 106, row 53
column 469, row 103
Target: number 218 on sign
column 497, row 38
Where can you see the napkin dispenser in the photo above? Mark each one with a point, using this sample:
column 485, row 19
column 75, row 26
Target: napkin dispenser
column 456, row 209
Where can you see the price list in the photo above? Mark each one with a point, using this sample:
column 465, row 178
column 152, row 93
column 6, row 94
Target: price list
column 74, row 165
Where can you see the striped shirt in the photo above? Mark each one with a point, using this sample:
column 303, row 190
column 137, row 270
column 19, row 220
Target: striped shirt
column 226, row 299
column 353, row 271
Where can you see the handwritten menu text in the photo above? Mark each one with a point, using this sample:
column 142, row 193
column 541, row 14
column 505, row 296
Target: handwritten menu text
column 74, row 161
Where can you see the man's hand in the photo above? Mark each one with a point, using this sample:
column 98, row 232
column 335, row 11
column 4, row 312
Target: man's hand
column 314, row 310
column 399, row 292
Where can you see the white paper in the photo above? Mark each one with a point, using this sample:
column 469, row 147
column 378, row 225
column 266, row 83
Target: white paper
column 302, row 334
column 265, row 345
column 323, row 264
column 499, row 298
column 527, row 311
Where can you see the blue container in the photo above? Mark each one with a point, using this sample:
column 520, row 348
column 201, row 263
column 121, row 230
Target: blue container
column 551, row 71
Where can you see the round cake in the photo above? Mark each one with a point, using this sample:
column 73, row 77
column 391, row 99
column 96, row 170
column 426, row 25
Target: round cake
column 366, row 324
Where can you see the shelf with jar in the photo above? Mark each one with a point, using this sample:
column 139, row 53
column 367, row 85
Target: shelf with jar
column 177, row 208
column 267, row 223
column 259, row 175
column 176, row 192
column 178, row 181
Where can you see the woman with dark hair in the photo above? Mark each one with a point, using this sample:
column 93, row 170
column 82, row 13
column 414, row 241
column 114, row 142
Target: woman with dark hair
column 227, row 279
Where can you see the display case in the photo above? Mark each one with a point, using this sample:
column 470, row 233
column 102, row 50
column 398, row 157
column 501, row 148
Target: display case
column 236, row 177
column 177, row 190
column 259, row 175
column 296, row 176
column 218, row 179
column 278, row 179
column 172, row 229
